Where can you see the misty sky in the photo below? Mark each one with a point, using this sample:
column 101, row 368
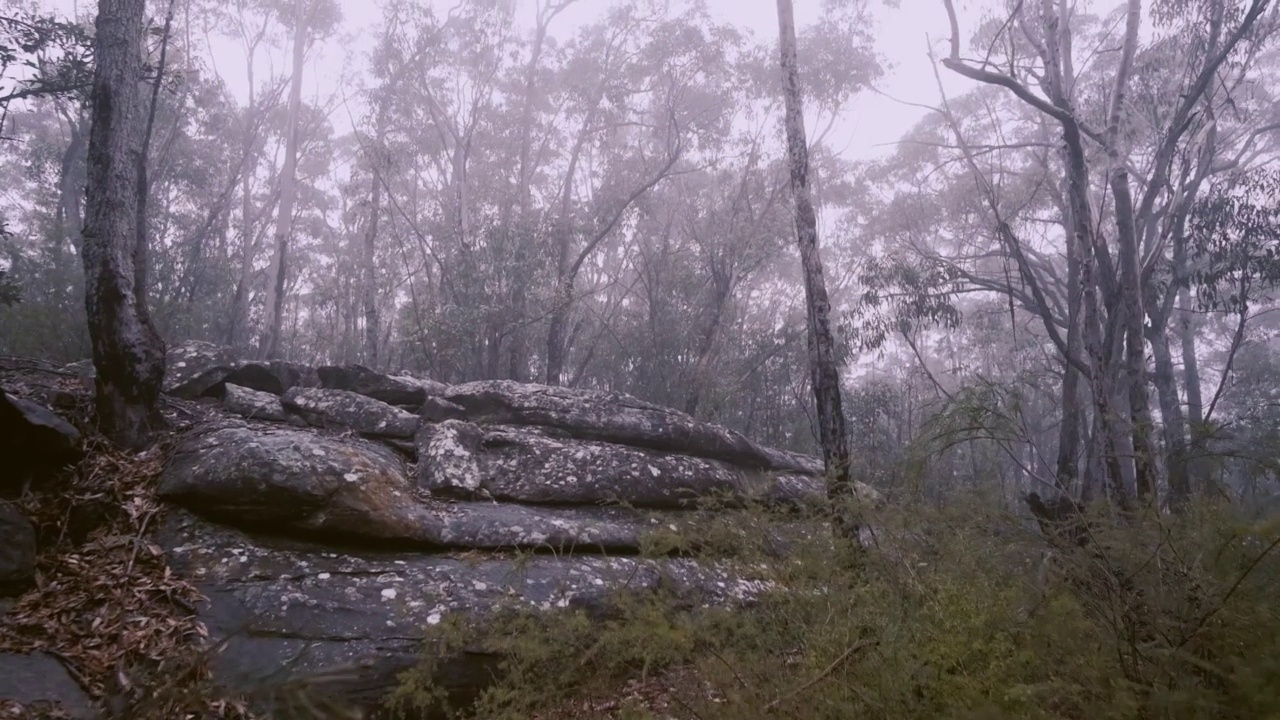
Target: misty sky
column 874, row 122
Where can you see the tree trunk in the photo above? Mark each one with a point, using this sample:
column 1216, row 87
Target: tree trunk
column 370, row 289
column 1068, row 472
column 71, row 189
column 1135, row 358
column 127, row 351
column 1175, row 428
column 1198, row 468
column 279, row 272
column 1106, row 444
column 240, row 301
column 558, row 332
column 823, row 369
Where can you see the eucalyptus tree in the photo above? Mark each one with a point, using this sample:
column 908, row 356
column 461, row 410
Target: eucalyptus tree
column 1100, row 264
column 823, row 367
column 309, row 17
column 127, row 351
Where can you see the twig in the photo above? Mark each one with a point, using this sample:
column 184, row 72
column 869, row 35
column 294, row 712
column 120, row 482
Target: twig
column 1230, row 591
column 825, row 672
column 137, row 542
column 732, row 669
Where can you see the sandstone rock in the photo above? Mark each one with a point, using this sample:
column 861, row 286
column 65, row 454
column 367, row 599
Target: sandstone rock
column 438, row 410
column 391, row 389
column 291, row 480
column 617, row 418
column 275, row 377
column 497, row 526
column 193, row 368
column 34, row 443
column 291, row 609
column 304, row 485
column 253, row 404
column 17, row 550
column 319, row 553
column 515, row 464
column 38, row 680
column 344, row 409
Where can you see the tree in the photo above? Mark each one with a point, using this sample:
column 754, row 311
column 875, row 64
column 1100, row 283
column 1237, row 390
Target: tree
column 823, row 368
column 269, row 346
column 128, row 353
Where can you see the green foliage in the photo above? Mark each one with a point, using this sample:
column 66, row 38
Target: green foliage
column 902, row 295
column 959, row 613
column 42, row 55
column 1235, row 238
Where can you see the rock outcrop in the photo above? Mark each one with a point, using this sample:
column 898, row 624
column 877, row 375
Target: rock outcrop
column 331, row 516
column 617, row 418
column 35, row 443
column 42, row 685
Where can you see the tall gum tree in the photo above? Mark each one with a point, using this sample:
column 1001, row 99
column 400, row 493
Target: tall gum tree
column 269, row 345
column 128, row 353
column 823, row 367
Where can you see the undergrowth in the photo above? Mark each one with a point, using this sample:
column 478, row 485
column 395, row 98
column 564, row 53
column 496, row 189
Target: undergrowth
column 961, row 613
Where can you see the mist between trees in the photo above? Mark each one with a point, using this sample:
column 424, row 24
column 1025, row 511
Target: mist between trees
column 1060, row 282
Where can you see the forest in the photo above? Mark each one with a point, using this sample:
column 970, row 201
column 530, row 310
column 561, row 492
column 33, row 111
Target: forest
column 608, row 206
column 1048, row 308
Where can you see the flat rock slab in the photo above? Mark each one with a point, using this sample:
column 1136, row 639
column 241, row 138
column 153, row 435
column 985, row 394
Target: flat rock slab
column 291, row 609
column 392, row 389
column 493, row 526
column 275, row 376
column 39, row 679
column 521, row 464
column 253, row 404
column 349, row 410
column 617, row 418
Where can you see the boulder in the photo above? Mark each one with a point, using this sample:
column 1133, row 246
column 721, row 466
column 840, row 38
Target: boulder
column 275, row 377
column 17, row 550
column 391, row 389
column 39, row 681
column 438, row 409
column 34, row 443
column 193, row 368
column 253, row 404
column 617, row 418
column 349, row 410
column 295, row 481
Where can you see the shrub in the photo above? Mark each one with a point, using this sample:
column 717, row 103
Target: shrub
column 964, row 612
